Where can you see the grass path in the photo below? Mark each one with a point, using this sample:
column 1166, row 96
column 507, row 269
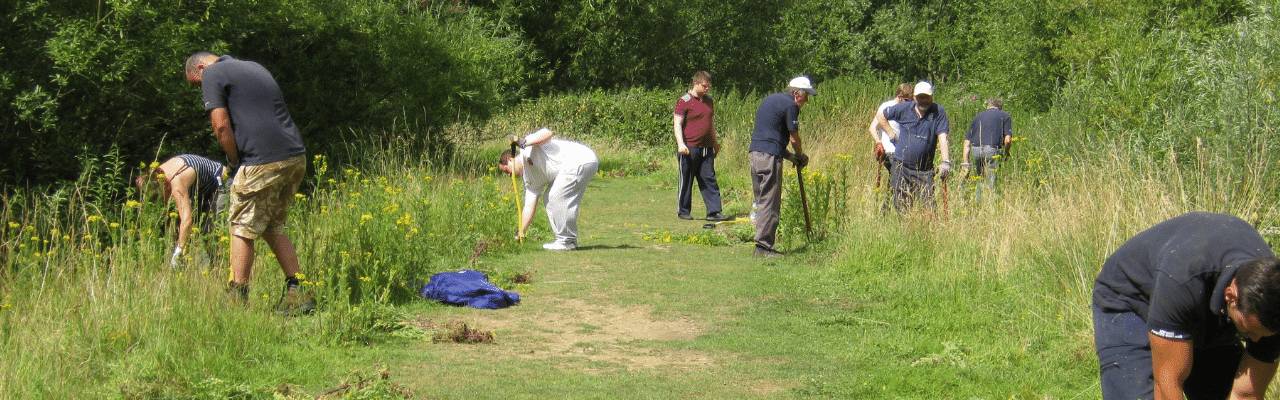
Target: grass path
column 624, row 317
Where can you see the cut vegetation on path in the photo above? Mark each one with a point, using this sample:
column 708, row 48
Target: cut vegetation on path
column 633, row 314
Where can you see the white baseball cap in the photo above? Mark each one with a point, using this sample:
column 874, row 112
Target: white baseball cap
column 923, row 88
column 802, row 83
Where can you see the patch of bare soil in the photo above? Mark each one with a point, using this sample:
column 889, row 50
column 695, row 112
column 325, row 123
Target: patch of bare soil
column 620, row 335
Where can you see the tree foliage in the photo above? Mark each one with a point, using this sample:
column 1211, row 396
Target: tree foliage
column 81, row 76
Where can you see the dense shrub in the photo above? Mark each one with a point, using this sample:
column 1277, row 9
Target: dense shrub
column 78, row 78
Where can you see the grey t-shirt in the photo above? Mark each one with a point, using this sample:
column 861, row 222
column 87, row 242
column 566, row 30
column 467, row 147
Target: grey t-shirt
column 264, row 131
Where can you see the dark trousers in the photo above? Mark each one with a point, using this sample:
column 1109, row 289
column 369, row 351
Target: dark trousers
column 766, row 184
column 886, row 200
column 1124, row 361
column 910, row 186
column 699, row 165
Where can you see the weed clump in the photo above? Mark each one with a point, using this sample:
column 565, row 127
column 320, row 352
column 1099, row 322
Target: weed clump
column 460, row 332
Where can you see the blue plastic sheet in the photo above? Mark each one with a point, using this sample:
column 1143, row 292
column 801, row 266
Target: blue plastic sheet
column 468, row 288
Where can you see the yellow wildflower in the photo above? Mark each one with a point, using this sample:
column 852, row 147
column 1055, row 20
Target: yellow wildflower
column 301, row 276
column 300, row 196
column 332, row 181
column 132, row 204
column 94, row 218
column 365, row 218
column 155, row 164
column 114, row 225
column 66, row 238
column 173, row 214
column 365, row 279
column 14, row 225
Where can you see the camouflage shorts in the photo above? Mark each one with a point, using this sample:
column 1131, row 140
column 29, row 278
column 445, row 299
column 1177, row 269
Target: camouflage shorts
column 262, row 194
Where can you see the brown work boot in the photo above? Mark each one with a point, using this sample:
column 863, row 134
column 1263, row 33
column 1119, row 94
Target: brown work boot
column 238, row 294
column 294, row 302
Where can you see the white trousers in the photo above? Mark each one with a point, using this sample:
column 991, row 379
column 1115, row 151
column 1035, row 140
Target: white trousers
column 563, row 198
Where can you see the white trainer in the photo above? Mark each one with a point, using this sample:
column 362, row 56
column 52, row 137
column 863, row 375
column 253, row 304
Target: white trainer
column 557, row 246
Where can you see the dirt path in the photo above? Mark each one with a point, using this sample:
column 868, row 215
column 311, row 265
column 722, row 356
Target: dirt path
column 622, row 317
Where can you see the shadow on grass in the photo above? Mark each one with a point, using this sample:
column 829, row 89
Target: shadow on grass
column 607, row 247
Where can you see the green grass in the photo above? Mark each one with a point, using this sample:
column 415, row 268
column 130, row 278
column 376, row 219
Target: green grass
column 983, row 301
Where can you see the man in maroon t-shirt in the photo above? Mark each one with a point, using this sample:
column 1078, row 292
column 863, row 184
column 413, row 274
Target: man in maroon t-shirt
column 696, row 148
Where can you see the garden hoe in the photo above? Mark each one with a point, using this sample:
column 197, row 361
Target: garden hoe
column 515, row 191
column 804, row 203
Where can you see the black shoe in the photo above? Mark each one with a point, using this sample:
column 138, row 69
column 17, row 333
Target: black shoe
column 717, row 217
column 766, row 253
column 684, row 216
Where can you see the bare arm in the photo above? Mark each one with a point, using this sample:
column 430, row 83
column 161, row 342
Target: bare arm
column 1170, row 366
column 795, row 142
column 221, row 121
column 530, row 206
column 1252, row 378
column 182, row 200
column 875, row 123
column 539, row 137
column 676, row 121
column 944, row 147
column 883, row 123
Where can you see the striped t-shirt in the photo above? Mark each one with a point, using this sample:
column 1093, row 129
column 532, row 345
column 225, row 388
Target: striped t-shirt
column 208, row 178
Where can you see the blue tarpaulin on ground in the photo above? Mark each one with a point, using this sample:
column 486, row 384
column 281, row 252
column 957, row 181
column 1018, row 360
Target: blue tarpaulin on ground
column 468, row 288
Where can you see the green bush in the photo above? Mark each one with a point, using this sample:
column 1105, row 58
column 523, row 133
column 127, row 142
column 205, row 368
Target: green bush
column 111, row 72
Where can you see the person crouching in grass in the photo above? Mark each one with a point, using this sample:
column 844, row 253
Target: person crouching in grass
column 193, row 183
column 558, row 170
column 1188, row 307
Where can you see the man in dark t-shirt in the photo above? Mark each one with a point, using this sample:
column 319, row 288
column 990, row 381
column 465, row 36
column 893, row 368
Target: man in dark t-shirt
column 696, row 148
column 1172, row 305
column 989, row 133
column 253, row 125
column 777, row 123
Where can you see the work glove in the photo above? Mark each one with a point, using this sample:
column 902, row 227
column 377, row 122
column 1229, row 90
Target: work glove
column 944, row 170
column 176, row 258
column 518, row 142
column 223, row 198
column 879, row 151
column 801, row 160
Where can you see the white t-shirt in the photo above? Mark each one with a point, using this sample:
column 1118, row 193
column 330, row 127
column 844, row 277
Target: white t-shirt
column 884, row 136
column 544, row 161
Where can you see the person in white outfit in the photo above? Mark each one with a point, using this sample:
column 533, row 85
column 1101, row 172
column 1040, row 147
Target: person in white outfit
column 560, row 170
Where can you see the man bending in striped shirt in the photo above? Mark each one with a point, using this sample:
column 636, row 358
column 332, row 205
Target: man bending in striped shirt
column 192, row 183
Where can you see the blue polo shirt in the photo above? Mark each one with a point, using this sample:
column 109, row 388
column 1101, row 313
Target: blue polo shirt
column 918, row 137
column 776, row 118
column 989, row 128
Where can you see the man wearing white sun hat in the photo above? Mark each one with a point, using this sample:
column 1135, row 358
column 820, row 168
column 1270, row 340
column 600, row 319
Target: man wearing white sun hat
column 777, row 123
column 923, row 129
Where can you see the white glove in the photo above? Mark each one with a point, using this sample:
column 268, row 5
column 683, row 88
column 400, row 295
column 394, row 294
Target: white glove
column 176, row 258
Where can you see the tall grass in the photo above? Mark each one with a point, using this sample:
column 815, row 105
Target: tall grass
column 89, row 307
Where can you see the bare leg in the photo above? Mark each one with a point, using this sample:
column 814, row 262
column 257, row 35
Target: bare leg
column 241, row 259
column 285, row 253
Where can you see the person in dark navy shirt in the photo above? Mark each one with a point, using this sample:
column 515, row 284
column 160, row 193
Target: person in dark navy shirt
column 924, row 127
column 1172, row 305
